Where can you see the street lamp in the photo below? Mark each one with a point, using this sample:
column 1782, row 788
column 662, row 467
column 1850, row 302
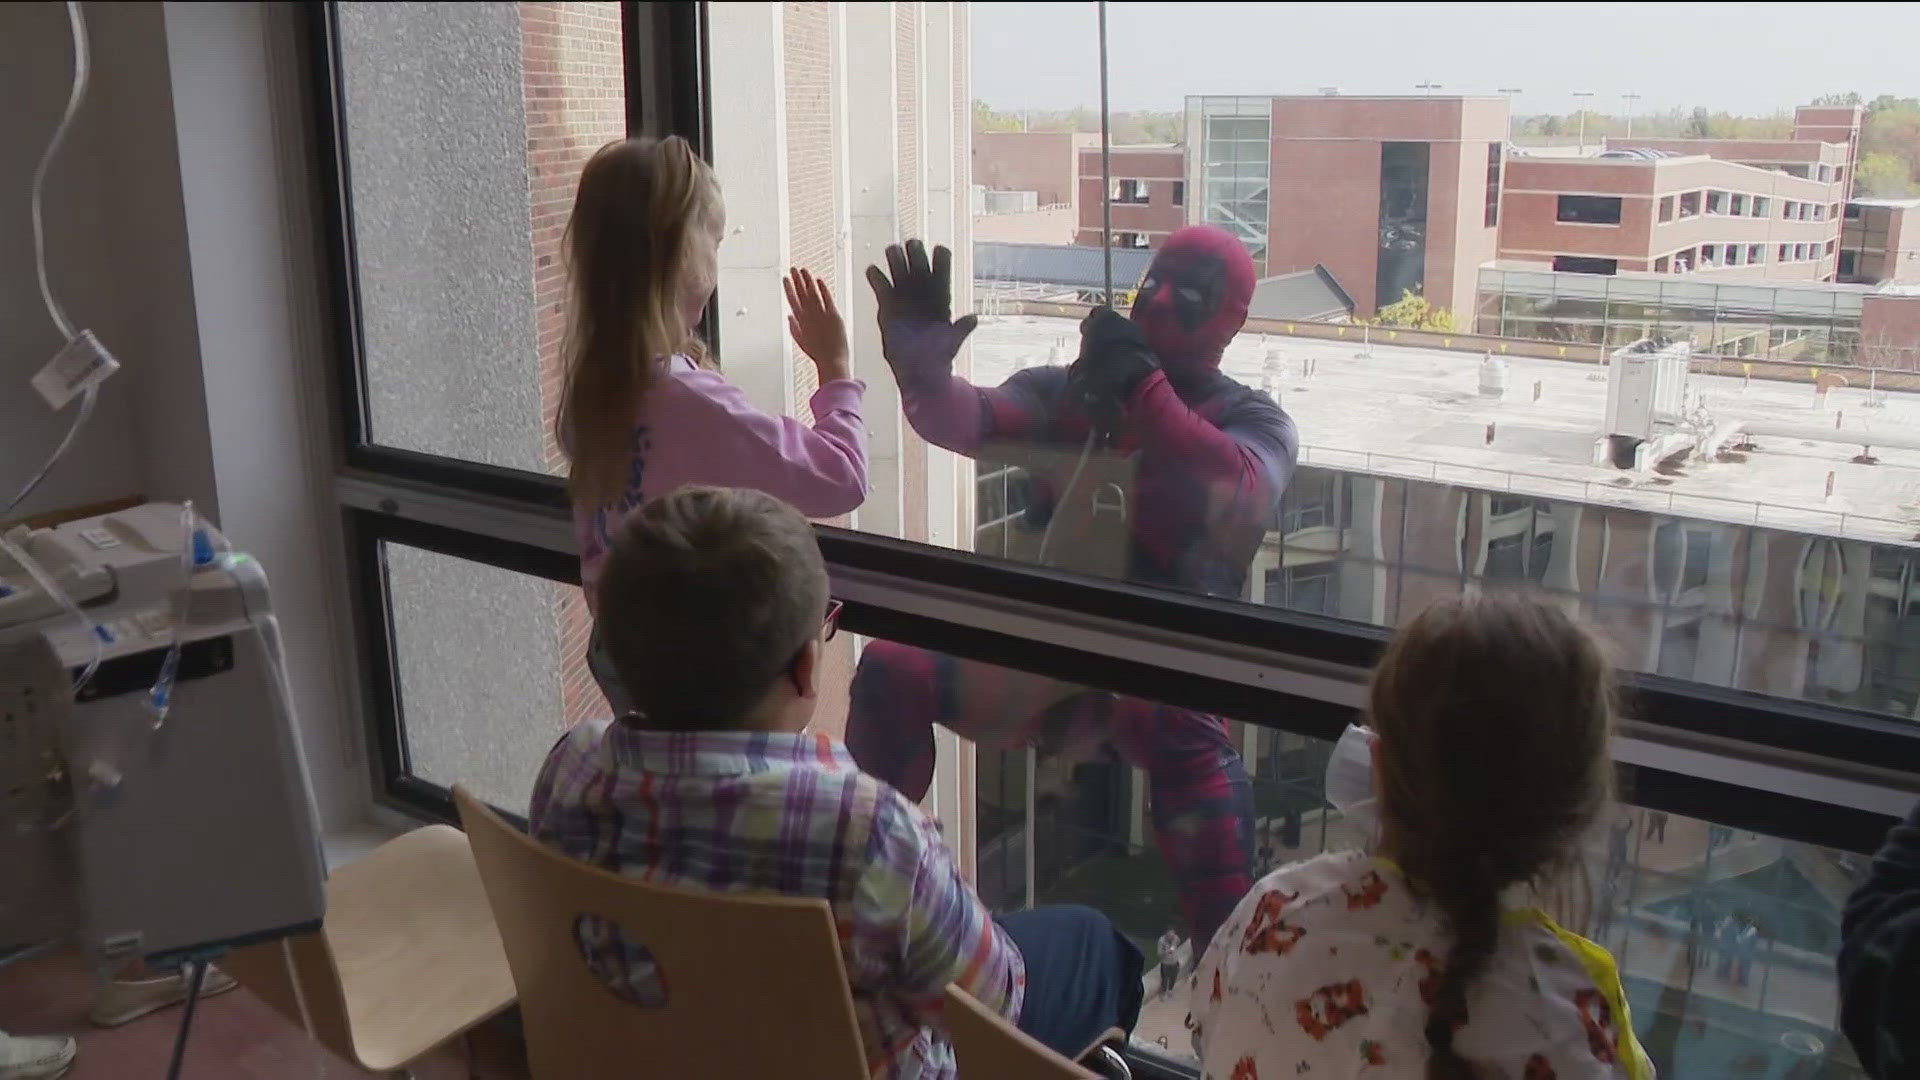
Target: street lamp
column 1509, row 91
column 1631, row 97
column 1578, row 94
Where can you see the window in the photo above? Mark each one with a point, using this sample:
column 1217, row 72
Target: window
column 1400, row 265
column 1848, row 261
column 1786, row 253
column 461, row 265
column 1589, row 209
column 1853, row 211
column 1833, row 212
column 1582, row 264
column 1421, row 468
column 1496, row 152
column 1717, row 202
column 1829, row 249
column 1789, row 209
column 1739, row 205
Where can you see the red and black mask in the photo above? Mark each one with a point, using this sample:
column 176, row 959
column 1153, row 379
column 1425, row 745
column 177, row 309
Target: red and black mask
column 1194, row 298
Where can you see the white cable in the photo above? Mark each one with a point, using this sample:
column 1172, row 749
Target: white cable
column 160, row 697
column 1046, row 537
column 79, row 421
column 74, row 97
column 67, row 332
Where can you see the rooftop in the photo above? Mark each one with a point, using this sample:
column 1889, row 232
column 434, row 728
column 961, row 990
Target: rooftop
column 1076, row 266
column 1905, row 204
column 1418, row 413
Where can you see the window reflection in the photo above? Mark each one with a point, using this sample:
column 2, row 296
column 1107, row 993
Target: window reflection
column 1725, row 939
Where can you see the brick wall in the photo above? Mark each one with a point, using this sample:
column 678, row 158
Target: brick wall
column 576, row 101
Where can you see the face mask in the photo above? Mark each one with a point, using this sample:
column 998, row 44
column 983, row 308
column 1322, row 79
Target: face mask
column 1349, row 785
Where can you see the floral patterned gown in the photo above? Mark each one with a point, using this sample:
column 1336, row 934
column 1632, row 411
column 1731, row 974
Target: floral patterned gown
column 1327, row 969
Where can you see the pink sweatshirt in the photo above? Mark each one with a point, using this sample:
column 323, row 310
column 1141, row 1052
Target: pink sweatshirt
column 698, row 428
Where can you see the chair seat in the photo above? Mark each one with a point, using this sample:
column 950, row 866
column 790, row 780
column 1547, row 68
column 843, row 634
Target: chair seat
column 414, row 940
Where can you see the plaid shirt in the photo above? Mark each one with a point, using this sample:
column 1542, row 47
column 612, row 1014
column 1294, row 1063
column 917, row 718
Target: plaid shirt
column 792, row 814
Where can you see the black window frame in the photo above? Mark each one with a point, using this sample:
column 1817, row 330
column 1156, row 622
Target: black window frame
column 1579, row 208
column 667, row 72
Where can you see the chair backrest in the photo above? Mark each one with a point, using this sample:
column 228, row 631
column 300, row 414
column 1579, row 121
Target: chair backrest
column 753, row 985
column 987, row 1046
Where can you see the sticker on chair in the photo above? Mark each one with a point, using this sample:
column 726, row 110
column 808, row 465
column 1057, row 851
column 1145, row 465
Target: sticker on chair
column 626, row 968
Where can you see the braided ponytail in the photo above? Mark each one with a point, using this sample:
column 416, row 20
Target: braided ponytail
column 1493, row 714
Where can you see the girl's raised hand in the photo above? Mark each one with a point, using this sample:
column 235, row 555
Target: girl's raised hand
column 816, row 325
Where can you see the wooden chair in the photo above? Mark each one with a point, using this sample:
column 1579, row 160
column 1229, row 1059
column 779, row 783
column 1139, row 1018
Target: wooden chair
column 987, row 1046
column 753, row 985
column 406, row 960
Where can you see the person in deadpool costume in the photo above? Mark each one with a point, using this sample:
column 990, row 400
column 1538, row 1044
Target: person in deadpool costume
column 1207, row 461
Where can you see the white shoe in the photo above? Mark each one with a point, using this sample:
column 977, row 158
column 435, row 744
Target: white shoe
column 125, row 1000
column 35, row 1057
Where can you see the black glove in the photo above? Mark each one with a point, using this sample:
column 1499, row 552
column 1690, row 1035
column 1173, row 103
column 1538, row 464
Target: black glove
column 918, row 334
column 1114, row 360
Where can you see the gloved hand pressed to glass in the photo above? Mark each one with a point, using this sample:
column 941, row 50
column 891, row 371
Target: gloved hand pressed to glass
column 918, row 333
column 1114, row 360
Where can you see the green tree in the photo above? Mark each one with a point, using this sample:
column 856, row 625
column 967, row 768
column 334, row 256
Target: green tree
column 1700, row 125
column 1850, row 98
column 1883, row 175
column 986, row 119
column 1415, row 312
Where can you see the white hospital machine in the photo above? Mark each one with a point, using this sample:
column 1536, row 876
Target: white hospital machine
column 159, row 806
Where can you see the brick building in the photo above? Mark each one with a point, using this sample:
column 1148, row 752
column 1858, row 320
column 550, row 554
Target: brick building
column 1148, row 191
column 1389, row 194
column 1667, row 206
column 1880, row 241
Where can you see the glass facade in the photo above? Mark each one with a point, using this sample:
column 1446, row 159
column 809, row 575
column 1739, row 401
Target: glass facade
column 1236, row 156
column 1785, row 321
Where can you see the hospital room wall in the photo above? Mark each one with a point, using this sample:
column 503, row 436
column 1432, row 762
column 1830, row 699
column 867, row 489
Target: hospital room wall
column 180, row 231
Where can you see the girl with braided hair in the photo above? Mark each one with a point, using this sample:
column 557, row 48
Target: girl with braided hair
column 1490, row 719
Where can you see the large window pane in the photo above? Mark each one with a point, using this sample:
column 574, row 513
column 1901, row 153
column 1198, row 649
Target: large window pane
column 490, row 668
column 465, row 127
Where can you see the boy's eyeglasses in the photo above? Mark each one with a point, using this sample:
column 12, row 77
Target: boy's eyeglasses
column 828, row 628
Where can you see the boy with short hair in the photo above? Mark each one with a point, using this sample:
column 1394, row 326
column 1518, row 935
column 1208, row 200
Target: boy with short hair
column 713, row 608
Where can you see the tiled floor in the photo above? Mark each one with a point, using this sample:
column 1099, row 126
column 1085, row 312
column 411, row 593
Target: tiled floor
column 234, row 1037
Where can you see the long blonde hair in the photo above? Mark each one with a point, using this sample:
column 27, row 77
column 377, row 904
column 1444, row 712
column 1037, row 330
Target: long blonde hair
column 1494, row 714
column 640, row 207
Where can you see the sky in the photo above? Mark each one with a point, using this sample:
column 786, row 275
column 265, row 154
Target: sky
column 1743, row 58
